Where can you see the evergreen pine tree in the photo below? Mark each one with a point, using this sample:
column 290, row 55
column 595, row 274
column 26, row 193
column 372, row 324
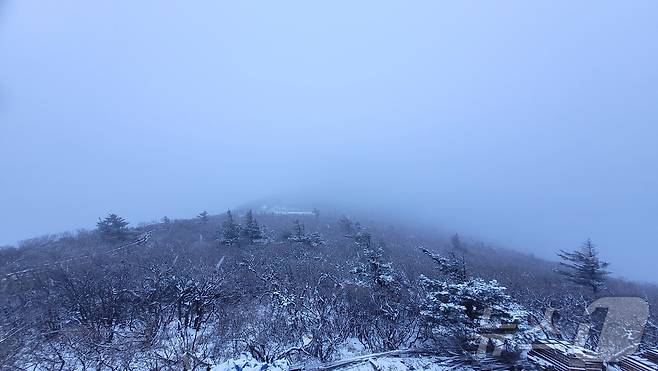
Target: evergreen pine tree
column 298, row 230
column 456, row 242
column 583, row 267
column 453, row 268
column 203, row 216
column 113, row 228
column 455, row 306
column 251, row 230
column 230, row 230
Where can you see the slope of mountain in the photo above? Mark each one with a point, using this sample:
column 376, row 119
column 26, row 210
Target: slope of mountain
column 181, row 294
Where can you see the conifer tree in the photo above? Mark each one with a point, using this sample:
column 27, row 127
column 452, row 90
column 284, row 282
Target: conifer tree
column 583, row 267
column 346, row 225
column 453, row 268
column 298, row 230
column 230, row 230
column 113, row 228
column 203, row 216
column 456, row 242
column 455, row 305
column 251, row 230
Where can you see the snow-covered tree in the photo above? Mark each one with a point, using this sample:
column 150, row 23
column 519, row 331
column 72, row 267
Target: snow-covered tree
column 376, row 271
column 583, row 267
column 298, row 234
column 315, row 239
column 346, row 225
column 230, row 230
column 251, row 230
column 363, row 239
column 456, row 242
column 458, row 309
column 298, row 230
column 391, row 315
column 470, row 309
column 113, row 228
column 454, row 267
column 203, row 216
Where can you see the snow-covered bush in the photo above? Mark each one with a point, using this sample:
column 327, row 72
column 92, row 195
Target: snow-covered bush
column 471, row 311
column 389, row 318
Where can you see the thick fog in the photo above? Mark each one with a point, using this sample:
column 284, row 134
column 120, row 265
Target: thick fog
column 529, row 125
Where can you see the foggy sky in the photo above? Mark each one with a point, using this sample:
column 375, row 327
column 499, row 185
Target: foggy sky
column 529, row 124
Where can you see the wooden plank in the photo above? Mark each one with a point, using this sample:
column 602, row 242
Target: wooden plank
column 637, row 363
column 562, row 356
column 652, row 355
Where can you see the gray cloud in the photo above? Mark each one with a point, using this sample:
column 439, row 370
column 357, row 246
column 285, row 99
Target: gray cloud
column 530, row 125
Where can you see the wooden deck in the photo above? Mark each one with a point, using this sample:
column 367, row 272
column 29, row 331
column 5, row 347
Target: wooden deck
column 647, row 361
column 637, row 363
column 562, row 356
column 652, row 355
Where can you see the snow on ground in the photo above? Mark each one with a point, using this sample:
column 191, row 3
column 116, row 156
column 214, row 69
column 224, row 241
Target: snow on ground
column 247, row 363
column 386, row 363
column 352, row 348
column 403, row 364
